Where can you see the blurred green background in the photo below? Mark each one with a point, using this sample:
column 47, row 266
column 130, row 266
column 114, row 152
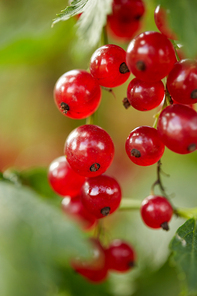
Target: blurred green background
column 32, row 134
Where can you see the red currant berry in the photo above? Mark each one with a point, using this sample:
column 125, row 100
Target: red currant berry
column 150, row 56
column 124, row 20
column 74, row 207
column 182, row 82
column 63, row 179
column 145, row 96
column 101, row 195
column 177, row 127
column 77, row 94
column 143, row 146
column 122, row 29
column 89, row 150
column 156, row 211
column 108, row 66
column 95, row 270
column 120, row 256
column 161, row 21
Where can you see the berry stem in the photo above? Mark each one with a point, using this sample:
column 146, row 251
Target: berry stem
column 105, row 37
column 167, row 102
column 175, row 49
column 158, row 181
column 90, row 119
column 186, row 213
column 130, row 204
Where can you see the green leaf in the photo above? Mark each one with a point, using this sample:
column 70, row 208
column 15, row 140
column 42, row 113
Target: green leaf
column 184, row 248
column 92, row 20
column 149, row 283
column 76, row 7
column 184, row 22
column 34, row 239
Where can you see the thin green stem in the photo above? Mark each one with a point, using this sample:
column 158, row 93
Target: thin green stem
column 90, row 119
column 186, row 213
column 105, row 37
column 175, row 49
column 130, row 204
column 167, row 102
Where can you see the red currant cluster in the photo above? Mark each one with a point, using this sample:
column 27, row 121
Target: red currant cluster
column 88, row 194
column 118, row 257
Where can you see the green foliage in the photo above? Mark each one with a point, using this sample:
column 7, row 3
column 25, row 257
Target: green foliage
column 34, row 239
column 184, row 248
column 184, row 22
column 91, row 21
column 150, row 283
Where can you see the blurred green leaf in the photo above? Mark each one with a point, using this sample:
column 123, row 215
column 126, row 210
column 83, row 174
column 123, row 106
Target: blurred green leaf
column 92, row 20
column 150, row 283
column 184, row 22
column 34, row 239
column 37, row 179
column 184, row 248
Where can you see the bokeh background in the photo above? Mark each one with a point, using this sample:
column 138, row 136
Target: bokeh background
column 33, row 132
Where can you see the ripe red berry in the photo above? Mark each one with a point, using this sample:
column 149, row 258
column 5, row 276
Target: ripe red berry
column 120, row 256
column 182, row 82
column 156, row 211
column 150, row 56
column 123, row 22
column 177, row 128
column 63, row 179
column 101, row 195
column 161, row 20
column 94, row 270
column 108, row 66
column 89, row 150
column 77, row 94
column 74, row 207
column 143, row 146
column 145, row 96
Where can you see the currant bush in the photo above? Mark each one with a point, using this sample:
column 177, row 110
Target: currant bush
column 161, row 80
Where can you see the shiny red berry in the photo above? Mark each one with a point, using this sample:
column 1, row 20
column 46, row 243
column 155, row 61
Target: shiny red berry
column 74, row 207
column 156, row 211
column 120, row 256
column 177, row 128
column 77, row 94
column 95, row 269
column 143, row 95
column 101, row 195
column 63, row 179
column 150, row 56
column 124, row 22
column 161, row 20
column 89, row 150
column 108, row 66
column 143, row 146
column 182, row 82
